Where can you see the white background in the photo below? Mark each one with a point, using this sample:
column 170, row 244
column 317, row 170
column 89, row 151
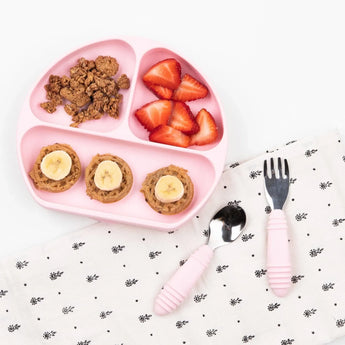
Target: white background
column 277, row 66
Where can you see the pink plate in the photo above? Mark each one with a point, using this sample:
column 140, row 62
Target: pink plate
column 124, row 137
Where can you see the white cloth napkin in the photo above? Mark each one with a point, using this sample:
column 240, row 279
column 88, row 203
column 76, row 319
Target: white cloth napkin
column 97, row 285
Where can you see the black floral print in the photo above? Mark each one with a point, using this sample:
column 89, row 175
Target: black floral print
column 21, row 264
column 295, row 279
column 117, row 249
column 268, row 209
column 153, row 255
column 92, row 278
column 325, row 185
column 199, row 298
column 260, row 273
column 211, row 332
column 234, row 165
column 234, row 203
column 3, row 293
column 144, row 318
column 130, row 282
column 77, row 245
column 104, row 314
column 287, row 342
column 247, row 338
column 67, row 310
column 48, row 335
column 180, row 324
column 337, row 222
column 309, row 153
column 328, row 286
column 340, row 323
column 247, row 237
column 301, row 216
column 182, row 262
column 273, row 306
column 35, row 300
column 235, row 301
column 12, row 328
column 85, row 342
column 221, row 268
column 292, row 180
column 315, row 252
column 55, row 275
column 254, row 174
column 309, row 312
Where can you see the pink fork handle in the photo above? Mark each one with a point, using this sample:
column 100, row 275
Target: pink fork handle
column 278, row 254
column 181, row 283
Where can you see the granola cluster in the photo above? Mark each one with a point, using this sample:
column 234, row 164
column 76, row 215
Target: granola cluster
column 89, row 92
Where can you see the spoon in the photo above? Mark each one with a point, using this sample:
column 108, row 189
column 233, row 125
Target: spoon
column 226, row 226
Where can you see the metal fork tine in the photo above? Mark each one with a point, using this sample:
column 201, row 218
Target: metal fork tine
column 273, row 173
column 280, row 167
column 286, row 166
column 265, row 168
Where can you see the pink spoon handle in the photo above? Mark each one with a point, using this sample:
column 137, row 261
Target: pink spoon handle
column 181, row 283
column 278, row 254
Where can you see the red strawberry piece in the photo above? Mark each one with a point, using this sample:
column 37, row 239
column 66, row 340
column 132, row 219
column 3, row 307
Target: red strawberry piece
column 170, row 136
column 160, row 91
column 154, row 114
column 189, row 90
column 166, row 73
column 208, row 129
column 182, row 119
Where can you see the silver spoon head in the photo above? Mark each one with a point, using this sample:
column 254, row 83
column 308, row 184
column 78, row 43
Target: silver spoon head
column 226, row 225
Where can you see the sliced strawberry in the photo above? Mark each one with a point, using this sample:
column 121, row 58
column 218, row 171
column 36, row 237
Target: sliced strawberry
column 166, row 73
column 170, row 136
column 160, row 91
column 189, row 90
column 182, row 119
column 208, row 129
column 154, row 114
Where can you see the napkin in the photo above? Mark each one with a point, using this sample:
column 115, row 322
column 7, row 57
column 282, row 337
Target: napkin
column 97, row 285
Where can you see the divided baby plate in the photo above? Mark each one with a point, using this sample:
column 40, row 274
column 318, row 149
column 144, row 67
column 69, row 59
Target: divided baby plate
column 124, row 137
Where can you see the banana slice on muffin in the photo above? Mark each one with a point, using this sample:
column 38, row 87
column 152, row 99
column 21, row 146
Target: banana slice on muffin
column 168, row 190
column 56, row 169
column 108, row 178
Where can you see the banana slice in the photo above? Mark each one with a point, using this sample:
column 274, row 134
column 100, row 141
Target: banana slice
column 56, row 165
column 108, row 175
column 169, row 189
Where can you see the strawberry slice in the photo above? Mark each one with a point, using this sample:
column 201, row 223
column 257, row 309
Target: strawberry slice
column 182, row 119
column 170, row 136
column 208, row 129
column 189, row 90
column 154, row 114
column 160, row 91
column 166, row 73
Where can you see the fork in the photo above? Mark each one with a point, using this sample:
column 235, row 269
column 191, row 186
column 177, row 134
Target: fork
column 278, row 251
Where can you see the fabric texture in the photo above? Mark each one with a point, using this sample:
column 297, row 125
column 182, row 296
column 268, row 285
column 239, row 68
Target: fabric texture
column 97, row 286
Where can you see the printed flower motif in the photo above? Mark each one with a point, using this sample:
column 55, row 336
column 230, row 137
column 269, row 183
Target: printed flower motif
column 292, row 180
column 296, row 279
column 180, row 324
column 315, row 252
column 324, row 185
column 67, row 310
column 199, row 298
column 104, row 314
column 234, row 165
column 235, row 301
column 268, row 209
column 337, row 222
column 35, row 300
column 85, row 342
column 287, row 341
column 117, row 249
column 235, row 203
column 254, row 174
column 182, row 262
column 220, row 268
column 144, row 318
column 301, row 216
column 211, row 332
column 153, row 255
column 273, row 306
column 309, row 153
column 76, row 245
column 260, row 273
column 340, row 323
column 246, row 237
column 48, row 335
column 309, row 312
column 247, row 338
column 55, row 275
column 130, row 282
column 12, row 328
column 205, row 233
column 21, row 264
column 328, row 286
column 92, row 278
column 3, row 293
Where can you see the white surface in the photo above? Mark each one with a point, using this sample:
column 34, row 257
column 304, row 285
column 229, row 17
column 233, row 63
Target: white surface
column 278, row 68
